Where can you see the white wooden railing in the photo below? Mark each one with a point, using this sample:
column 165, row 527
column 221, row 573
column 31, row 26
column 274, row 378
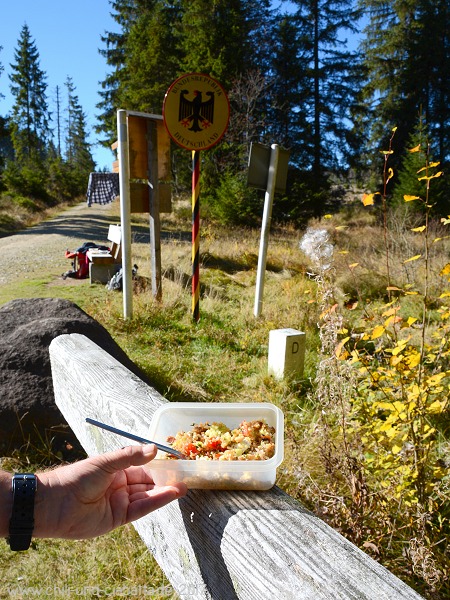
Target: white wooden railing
column 214, row 544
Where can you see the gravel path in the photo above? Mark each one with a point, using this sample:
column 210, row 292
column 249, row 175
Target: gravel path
column 40, row 249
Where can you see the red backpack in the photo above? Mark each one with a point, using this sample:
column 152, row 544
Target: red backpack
column 80, row 262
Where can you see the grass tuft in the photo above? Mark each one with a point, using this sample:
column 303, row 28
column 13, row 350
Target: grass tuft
column 223, row 357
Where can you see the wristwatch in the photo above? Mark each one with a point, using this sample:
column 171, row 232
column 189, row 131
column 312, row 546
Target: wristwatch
column 21, row 524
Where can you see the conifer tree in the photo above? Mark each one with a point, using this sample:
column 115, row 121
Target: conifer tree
column 436, row 27
column 4, row 137
column 115, row 54
column 160, row 40
column 326, row 87
column 1, row 71
column 409, row 180
column 78, row 153
column 288, row 68
column 225, row 38
column 260, row 21
column 152, row 56
column 144, row 59
column 230, row 40
column 212, row 38
column 58, row 119
column 404, row 74
column 29, row 120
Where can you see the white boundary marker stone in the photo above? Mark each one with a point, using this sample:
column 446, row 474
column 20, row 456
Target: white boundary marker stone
column 286, row 353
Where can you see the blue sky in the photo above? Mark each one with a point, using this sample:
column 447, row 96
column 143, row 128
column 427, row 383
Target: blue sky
column 67, row 38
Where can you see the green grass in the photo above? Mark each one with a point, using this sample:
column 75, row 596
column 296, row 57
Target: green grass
column 52, row 286
column 223, row 357
column 115, row 565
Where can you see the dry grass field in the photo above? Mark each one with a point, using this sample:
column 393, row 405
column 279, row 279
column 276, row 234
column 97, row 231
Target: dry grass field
column 223, row 357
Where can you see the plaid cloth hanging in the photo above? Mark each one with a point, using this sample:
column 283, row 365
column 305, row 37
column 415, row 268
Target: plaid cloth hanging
column 103, row 188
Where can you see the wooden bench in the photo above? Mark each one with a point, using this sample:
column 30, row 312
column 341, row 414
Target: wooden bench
column 103, row 264
column 215, row 545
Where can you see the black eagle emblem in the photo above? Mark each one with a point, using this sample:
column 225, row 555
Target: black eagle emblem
column 196, row 111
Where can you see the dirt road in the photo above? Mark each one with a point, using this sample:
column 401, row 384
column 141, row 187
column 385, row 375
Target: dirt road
column 41, row 249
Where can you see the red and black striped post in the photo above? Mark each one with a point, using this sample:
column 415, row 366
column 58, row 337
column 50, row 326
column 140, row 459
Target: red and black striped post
column 195, row 234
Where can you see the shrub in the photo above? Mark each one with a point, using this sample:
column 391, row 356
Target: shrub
column 384, row 391
column 235, row 203
column 26, row 180
column 26, row 203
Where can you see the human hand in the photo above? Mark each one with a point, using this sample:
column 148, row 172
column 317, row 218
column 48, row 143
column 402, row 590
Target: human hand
column 93, row 496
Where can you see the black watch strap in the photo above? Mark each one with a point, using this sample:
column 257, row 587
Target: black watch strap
column 21, row 524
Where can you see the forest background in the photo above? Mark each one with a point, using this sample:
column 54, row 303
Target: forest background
column 373, row 409
column 293, row 78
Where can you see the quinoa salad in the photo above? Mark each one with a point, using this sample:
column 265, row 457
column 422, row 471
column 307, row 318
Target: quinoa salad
column 252, row 440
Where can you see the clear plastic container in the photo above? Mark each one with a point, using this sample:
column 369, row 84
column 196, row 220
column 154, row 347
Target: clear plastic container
column 174, row 417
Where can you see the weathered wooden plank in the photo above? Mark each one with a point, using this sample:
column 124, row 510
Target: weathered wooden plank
column 216, row 545
column 137, row 147
column 164, row 172
column 140, row 199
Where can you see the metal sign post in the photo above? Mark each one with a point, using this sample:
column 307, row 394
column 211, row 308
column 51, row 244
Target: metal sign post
column 124, row 192
column 267, row 170
column 265, row 229
column 196, row 111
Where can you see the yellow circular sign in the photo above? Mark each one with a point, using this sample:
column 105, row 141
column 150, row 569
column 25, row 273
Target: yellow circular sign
column 196, row 111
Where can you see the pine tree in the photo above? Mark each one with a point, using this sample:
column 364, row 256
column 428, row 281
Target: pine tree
column 260, row 21
column 152, row 56
column 409, row 180
column 436, row 27
column 144, row 58
column 288, row 67
column 68, row 171
column 404, row 74
column 58, row 120
column 225, row 38
column 115, row 55
column 230, row 40
column 212, row 38
column 160, row 40
column 4, row 133
column 30, row 129
column 326, row 88
column 293, row 72
column 78, row 153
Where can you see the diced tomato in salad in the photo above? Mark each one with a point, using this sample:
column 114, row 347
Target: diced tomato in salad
column 190, row 449
column 214, row 445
